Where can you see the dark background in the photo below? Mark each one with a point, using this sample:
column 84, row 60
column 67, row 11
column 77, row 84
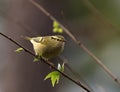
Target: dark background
column 94, row 22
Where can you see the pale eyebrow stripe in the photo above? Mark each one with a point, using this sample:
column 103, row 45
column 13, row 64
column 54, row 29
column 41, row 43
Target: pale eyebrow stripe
column 57, row 39
column 53, row 38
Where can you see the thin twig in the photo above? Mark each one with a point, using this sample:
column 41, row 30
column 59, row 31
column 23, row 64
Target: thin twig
column 29, row 30
column 51, row 65
column 76, row 74
column 78, row 42
column 99, row 15
column 25, row 27
column 18, row 22
column 26, row 50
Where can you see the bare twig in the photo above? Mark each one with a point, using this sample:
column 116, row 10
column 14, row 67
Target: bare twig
column 78, row 42
column 99, row 15
column 18, row 22
column 48, row 63
column 25, row 27
column 76, row 74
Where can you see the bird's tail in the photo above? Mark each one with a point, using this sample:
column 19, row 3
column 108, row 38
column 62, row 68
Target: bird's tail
column 26, row 38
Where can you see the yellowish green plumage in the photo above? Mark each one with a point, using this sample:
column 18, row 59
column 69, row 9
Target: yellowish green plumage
column 48, row 46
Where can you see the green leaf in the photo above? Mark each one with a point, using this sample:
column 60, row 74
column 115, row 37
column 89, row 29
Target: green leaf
column 36, row 58
column 55, row 24
column 60, row 30
column 19, row 50
column 54, row 76
column 57, row 28
column 61, row 67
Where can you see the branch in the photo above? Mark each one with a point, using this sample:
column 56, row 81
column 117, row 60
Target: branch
column 76, row 74
column 78, row 42
column 99, row 15
column 48, row 63
column 18, row 22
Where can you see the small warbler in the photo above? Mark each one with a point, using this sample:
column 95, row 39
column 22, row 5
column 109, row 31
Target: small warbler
column 47, row 47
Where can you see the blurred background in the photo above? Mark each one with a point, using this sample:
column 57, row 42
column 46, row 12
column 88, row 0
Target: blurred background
column 94, row 22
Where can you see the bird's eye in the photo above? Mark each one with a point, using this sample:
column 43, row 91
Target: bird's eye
column 58, row 39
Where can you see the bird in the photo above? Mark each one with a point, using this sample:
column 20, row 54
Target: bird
column 47, row 47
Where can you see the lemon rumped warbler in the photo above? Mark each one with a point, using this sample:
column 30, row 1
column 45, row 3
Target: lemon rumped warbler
column 47, row 47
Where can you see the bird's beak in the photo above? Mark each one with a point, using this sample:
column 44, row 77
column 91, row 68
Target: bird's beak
column 64, row 40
